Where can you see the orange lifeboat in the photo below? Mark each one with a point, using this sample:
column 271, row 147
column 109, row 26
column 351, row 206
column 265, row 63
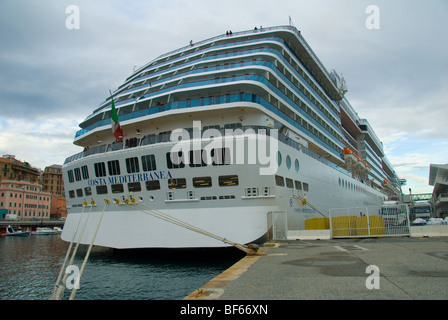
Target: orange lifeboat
column 348, row 154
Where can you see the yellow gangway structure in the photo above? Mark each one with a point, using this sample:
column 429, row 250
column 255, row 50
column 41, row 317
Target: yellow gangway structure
column 317, row 224
column 344, row 226
column 349, row 226
column 376, row 225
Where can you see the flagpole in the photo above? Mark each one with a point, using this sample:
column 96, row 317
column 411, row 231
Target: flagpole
column 116, row 129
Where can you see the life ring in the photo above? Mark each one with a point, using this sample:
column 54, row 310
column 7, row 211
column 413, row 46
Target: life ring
column 106, row 201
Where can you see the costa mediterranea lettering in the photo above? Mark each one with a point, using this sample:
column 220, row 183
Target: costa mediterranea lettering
column 135, row 177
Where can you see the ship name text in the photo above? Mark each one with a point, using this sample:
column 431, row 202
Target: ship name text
column 136, row 177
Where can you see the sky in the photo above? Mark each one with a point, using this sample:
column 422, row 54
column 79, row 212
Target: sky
column 394, row 60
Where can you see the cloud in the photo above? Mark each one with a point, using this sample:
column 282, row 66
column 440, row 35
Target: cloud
column 40, row 143
column 52, row 77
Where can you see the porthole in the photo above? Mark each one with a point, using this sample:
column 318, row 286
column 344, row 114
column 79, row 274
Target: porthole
column 279, row 158
column 288, row 162
column 297, row 165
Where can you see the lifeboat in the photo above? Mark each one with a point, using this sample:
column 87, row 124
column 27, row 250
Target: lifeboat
column 348, row 154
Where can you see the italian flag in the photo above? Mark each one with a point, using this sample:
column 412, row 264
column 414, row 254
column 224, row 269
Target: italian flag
column 116, row 129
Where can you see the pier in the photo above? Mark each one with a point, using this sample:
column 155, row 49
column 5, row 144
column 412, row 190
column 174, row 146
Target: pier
column 342, row 269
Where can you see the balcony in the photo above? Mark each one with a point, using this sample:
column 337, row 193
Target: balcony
column 441, row 199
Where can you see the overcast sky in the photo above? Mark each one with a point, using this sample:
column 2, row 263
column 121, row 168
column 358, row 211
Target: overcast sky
column 52, row 77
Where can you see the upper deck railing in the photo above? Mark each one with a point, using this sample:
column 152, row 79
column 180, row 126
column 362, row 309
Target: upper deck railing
column 249, row 32
column 166, row 137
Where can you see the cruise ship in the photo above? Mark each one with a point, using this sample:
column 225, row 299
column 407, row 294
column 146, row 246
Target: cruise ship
column 206, row 145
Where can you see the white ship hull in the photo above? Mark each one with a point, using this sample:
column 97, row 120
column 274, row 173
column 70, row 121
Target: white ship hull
column 135, row 229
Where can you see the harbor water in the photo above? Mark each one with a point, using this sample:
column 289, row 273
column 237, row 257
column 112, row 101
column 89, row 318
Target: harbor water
column 29, row 267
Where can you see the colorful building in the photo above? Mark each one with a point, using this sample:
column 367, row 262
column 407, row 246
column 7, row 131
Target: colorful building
column 13, row 169
column 25, row 199
column 52, row 180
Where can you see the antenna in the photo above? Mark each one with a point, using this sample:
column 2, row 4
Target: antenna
column 290, row 21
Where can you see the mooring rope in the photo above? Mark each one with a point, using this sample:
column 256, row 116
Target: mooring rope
column 304, row 202
column 75, row 288
column 58, row 290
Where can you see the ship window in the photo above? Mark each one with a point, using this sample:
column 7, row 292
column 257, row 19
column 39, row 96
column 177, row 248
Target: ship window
column 114, row 167
column 251, row 192
column 202, row 182
column 71, row 194
column 79, row 193
column 288, row 162
column 175, row 160
column 305, row 186
column 100, row 169
column 197, row 159
column 77, row 174
column 220, row 156
column 266, row 191
column 297, row 165
column 279, row 158
column 279, row 181
column 117, row 188
column 101, row 189
column 227, row 181
column 215, row 126
column 233, row 125
column 132, row 165
column 70, row 176
column 289, row 183
column 153, row 185
column 88, row 191
column 298, row 185
column 149, row 162
column 85, row 172
column 134, row 187
column 179, row 183
column 227, row 197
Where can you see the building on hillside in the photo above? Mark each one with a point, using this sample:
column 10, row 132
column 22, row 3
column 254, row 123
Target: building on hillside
column 13, row 169
column 58, row 207
column 25, row 199
column 52, row 180
column 53, row 183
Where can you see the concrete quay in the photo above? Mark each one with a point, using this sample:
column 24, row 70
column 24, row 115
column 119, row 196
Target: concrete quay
column 343, row 269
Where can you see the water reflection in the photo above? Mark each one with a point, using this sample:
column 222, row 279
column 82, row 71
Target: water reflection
column 29, row 268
